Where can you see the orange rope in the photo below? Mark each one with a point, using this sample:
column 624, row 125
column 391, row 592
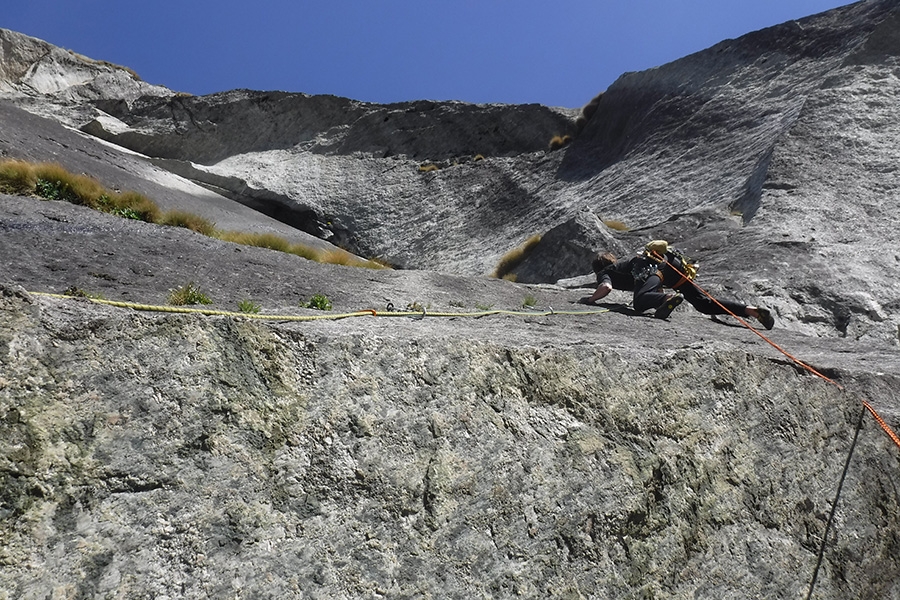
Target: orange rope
column 880, row 421
column 887, row 429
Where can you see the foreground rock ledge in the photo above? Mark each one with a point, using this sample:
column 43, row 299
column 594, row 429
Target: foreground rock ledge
column 159, row 455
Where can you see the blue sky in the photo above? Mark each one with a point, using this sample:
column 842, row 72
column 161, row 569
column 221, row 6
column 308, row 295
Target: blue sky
column 553, row 52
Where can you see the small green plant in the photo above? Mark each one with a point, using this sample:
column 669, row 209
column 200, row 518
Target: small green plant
column 126, row 213
column 77, row 292
column 188, row 294
column 415, row 306
column 318, row 302
column 457, row 304
column 248, row 306
column 482, row 306
column 54, row 190
column 529, row 302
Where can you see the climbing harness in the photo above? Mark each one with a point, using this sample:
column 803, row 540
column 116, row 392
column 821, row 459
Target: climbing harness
column 659, row 252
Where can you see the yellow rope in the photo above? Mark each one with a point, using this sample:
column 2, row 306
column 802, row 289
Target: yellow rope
column 330, row 316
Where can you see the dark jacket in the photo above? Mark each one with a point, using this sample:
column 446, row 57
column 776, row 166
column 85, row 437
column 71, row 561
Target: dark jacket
column 621, row 274
column 627, row 273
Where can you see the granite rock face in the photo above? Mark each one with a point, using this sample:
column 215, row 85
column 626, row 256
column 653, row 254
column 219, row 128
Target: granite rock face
column 206, row 457
column 535, row 453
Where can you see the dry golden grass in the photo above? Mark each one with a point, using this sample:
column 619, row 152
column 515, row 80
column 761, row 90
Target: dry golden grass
column 338, row 256
column 558, row 141
column 259, row 240
column 428, row 168
column 617, row 225
column 133, row 205
column 514, row 257
column 304, row 251
column 188, row 220
column 53, row 182
column 17, row 177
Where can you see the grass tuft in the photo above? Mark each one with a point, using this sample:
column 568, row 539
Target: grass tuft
column 514, row 257
column 258, row 240
column 188, row 294
column 188, row 220
column 617, row 225
column 130, row 205
column 307, row 252
column 318, row 302
column 248, row 306
column 17, row 177
column 558, row 141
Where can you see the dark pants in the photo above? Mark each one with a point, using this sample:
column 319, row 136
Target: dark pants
column 650, row 295
column 706, row 305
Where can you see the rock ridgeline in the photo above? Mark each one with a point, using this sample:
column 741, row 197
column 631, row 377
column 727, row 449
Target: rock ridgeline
column 534, row 455
column 62, row 84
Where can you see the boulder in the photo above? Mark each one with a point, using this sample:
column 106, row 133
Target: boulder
column 567, row 250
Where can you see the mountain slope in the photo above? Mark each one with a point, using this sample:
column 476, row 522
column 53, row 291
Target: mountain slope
column 695, row 137
column 451, row 451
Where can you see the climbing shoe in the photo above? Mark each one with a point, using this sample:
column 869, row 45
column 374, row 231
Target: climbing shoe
column 765, row 317
column 669, row 304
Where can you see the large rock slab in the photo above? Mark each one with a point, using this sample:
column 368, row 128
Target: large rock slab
column 551, row 457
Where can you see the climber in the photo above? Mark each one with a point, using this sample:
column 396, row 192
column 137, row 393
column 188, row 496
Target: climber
column 659, row 266
column 627, row 275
